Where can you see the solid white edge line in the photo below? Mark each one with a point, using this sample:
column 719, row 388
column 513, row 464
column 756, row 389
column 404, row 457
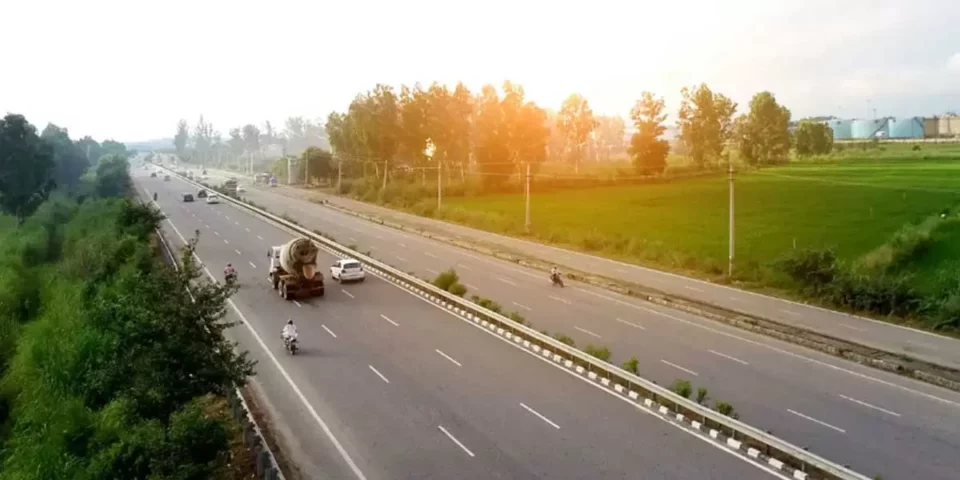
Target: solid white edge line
column 545, row 419
column 865, row 404
column 814, row 420
column 303, row 399
column 678, row 367
column 504, row 280
column 378, row 374
column 454, row 440
column 448, row 357
column 395, row 324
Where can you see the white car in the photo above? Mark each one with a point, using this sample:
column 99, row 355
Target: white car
column 213, row 198
column 347, row 270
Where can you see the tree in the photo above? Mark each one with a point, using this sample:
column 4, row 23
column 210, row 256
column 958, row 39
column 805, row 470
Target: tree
column 236, row 143
column 26, row 166
column 113, row 177
column 318, row 163
column 91, row 149
column 491, row 149
column 251, row 140
column 418, row 122
column 202, row 140
column 705, row 123
column 576, row 122
column 181, row 138
column 609, row 136
column 813, row 138
column 70, row 162
column 648, row 150
column 763, row 134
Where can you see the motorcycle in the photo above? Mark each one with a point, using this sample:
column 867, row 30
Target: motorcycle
column 556, row 280
column 154, row 196
column 291, row 345
column 230, row 277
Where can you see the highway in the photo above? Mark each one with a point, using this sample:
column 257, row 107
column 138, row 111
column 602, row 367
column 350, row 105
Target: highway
column 879, row 423
column 388, row 386
column 883, row 335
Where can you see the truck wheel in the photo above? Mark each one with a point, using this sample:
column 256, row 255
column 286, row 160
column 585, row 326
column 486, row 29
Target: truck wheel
column 282, row 290
column 275, row 281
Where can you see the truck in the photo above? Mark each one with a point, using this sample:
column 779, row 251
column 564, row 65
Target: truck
column 293, row 269
column 230, row 187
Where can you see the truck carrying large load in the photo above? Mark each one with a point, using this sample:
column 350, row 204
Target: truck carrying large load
column 230, row 187
column 293, row 269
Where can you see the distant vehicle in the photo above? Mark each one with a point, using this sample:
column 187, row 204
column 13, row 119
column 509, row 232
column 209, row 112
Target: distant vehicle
column 187, row 198
column 202, row 193
column 347, row 270
column 190, row 175
column 213, row 198
column 153, row 174
column 273, row 181
column 166, row 178
column 293, row 269
column 241, row 189
column 231, row 187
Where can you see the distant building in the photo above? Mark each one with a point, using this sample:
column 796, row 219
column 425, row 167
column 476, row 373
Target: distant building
column 895, row 128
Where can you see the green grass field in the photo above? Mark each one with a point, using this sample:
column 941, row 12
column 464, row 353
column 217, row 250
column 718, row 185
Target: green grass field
column 853, row 202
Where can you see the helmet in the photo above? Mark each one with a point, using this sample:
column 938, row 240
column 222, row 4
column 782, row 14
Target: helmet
column 229, row 265
column 289, row 321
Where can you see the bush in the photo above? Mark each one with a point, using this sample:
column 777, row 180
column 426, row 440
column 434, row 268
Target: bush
column 516, row 317
column 701, row 395
column 726, row 409
column 682, row 388
column 813, row 270
column 446, row 279
column 601, row 353
column 457, row 289
column 631, row 365
column 564, row 339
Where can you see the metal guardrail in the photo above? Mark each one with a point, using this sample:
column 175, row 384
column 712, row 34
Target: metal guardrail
column 732, row 433
column 267, row 467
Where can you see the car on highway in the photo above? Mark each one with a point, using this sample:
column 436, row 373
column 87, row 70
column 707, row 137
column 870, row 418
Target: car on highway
column 202, row 193
column 166, row 178
column 213, row 198
column 241, row 189
column 187, row 197
column 153, row 174
column 347, row 270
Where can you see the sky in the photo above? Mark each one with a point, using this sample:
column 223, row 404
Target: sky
column 129, row 70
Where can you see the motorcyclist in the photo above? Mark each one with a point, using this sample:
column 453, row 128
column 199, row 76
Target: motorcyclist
column 229, row 271
column 289, row 332
column 554, row 273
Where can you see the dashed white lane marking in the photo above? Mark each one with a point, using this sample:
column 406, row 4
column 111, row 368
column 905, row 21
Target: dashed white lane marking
column 850, row 327
column 448, row 357
column 252, row 264
column 563, row 300
column 216, row 233
column 634, row 325
column 814, row 420
column 430, row 255
column 454, row 440
column 247, row 229
column 258, row 236
column 347, row 293
column 588, row 332
column 464, row 267
column 728, row 357
column 541, row 417
column 238, row 251
column 395, row 324
column 334, row 335
column 297, row 303
column 400, row 258
column 205, row 225
column 736, row 299
column 236, row 223
column 352, row 239
column 693, row 289
column 379, row 374
column 865, row 404
column 678, row 367
column 226, row 241
column 504, row 280
column 471, row 287
column 522, row 306
column 790, row 312
column 433, row 271
column 404, row 245
column 227, row 217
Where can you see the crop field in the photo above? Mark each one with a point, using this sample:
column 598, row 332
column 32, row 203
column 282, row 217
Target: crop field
column 853, row 203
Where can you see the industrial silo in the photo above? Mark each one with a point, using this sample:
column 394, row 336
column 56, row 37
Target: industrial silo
column 906, row 127
column 842, row 129
column 931, row 127
column 866, row 129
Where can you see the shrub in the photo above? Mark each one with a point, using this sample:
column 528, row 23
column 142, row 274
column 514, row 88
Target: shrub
column 446, row 279
column 516, row 317
column 726, row 409
column 601, row 353
column 813, row 270
column 631, row 365
column 701, row 395
column 564, row 339
column 457, row 289
column 682, row 388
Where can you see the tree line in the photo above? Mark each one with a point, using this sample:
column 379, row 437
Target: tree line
column 496, row 134
column 109, row 368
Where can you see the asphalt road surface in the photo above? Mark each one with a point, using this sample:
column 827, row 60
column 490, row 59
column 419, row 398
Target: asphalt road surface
column 388, row 386
column 876, row 422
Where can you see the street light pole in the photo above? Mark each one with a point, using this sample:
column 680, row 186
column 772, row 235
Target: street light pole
column 731, row 225
column 526, row 223
column 428, row 152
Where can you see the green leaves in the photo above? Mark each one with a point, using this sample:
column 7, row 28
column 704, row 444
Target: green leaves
column 763, row 134
column 705, row 123
column 648, row 150
column 26, row 164
column 576, row 123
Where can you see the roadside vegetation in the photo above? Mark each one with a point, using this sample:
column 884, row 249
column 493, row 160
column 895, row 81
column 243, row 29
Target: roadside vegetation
column 109, row 368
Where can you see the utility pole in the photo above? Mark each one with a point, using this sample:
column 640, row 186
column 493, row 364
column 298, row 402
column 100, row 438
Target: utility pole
column 526, row 223
column 306, row 170
column 439, row 188
column 339, row 173
column 289, row 170
column 731, row 226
